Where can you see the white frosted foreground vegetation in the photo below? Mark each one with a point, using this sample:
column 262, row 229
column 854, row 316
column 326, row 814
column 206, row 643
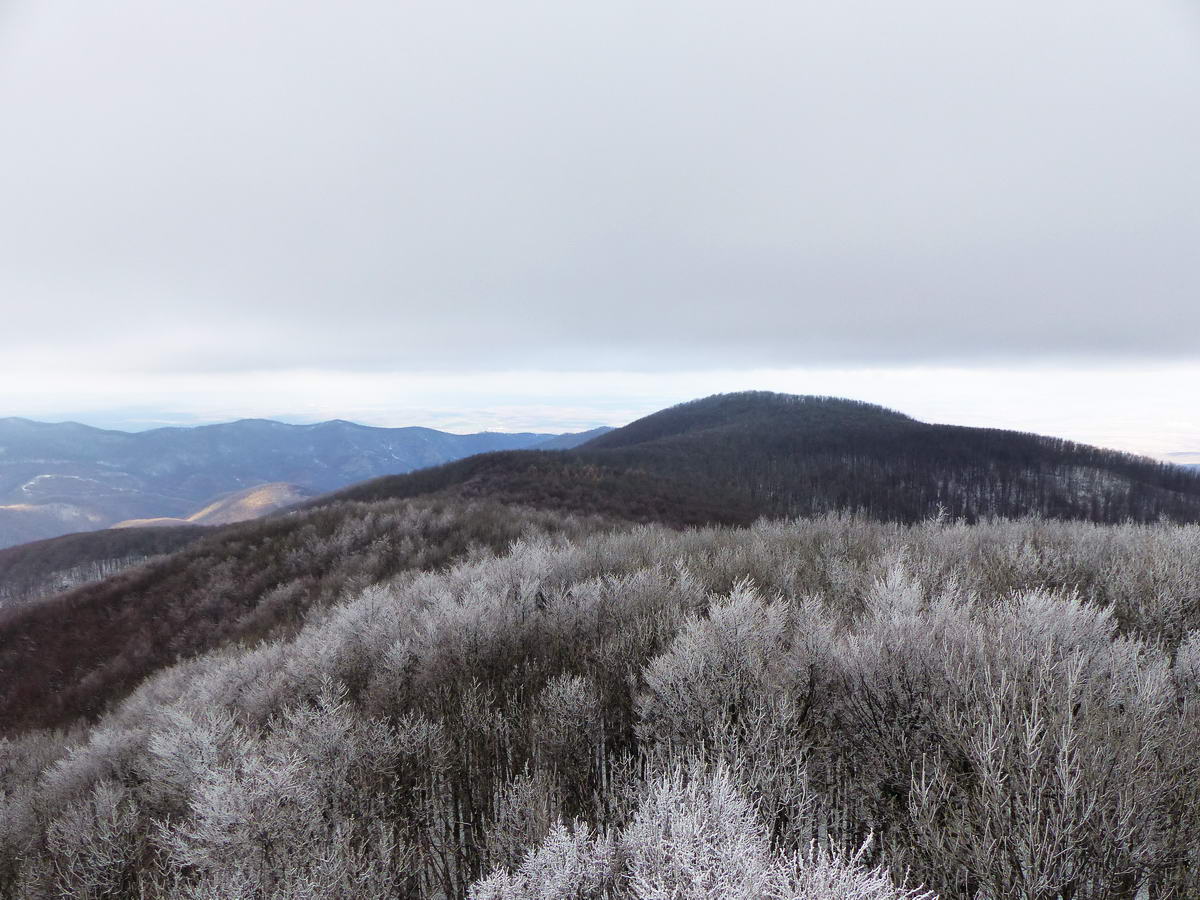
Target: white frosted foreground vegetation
column 816, row 709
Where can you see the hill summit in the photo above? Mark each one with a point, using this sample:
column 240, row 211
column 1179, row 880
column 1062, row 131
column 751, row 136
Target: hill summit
column 749, row 411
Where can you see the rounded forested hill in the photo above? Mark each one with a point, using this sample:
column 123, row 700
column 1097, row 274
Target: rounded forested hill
column 730, row 456
column 793, row 455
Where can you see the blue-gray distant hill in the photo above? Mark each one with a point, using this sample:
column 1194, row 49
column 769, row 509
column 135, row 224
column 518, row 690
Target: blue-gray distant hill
column 571, row 441
column 1188, row 459
column 66, row 477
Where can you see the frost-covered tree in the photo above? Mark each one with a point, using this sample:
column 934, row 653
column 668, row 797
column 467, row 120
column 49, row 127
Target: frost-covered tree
column 694, row 837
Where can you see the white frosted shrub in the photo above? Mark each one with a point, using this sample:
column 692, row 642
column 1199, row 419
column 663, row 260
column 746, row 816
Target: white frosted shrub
column 696, row 838
column 287, row 810
column 259, row 677
column 1057, row 624
column 716, row 669
column 1180, row 846
column 824, row 875
column 96, row 844
column 185, row 745
column 896, row 597
column 22, row 761
column 570, row 864
column 1047, row 767
column 108, row 753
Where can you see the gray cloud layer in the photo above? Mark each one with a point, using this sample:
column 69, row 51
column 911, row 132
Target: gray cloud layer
column 630, row 184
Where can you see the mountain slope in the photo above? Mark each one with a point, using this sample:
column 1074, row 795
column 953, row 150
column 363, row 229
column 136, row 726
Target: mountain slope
column 238, row 506
column 562, row 481
column 68, row 656
column 250, row 504
column 59, row 478
column 41, row 568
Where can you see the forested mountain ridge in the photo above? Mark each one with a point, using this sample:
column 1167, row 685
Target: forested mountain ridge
column 66, row 477
column 759, row 453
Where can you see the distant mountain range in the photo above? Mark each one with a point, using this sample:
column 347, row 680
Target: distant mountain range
column 1187, row 459
column 67, row 477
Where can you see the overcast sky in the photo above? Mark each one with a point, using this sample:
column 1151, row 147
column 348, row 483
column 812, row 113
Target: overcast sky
column 549, row 215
